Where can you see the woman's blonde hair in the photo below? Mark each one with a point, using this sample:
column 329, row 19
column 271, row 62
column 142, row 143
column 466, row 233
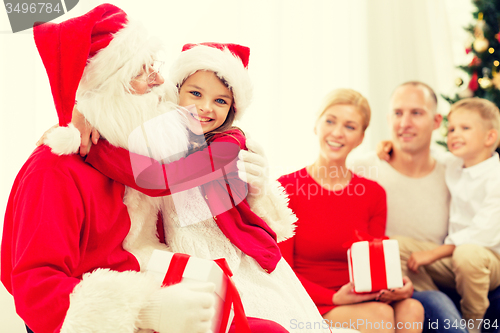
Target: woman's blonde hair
column 347, row 97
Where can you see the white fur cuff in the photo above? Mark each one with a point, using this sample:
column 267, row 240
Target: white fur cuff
column 108, row 301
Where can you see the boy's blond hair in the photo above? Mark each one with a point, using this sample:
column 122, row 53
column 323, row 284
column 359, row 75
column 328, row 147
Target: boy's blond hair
column 486, row 109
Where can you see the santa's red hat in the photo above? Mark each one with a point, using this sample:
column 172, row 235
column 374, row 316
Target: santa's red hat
column 228, row 61
column 86, row 52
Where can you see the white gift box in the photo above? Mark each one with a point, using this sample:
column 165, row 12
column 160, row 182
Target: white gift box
column 197, row 270
column 384, row 273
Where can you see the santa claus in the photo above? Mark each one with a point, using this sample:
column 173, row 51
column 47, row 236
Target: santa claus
column 62, row 253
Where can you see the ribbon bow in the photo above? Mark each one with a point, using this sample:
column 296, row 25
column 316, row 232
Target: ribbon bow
column 360, row 236
column 174, row 276
column 378, row 271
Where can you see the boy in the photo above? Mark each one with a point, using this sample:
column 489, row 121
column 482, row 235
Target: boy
column 469, row 259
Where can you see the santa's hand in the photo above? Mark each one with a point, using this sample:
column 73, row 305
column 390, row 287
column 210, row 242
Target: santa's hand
column 44, row 136
column 253, row 168
column 181, row 308
column 86, row 131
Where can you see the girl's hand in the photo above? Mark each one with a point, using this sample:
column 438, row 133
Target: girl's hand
column 86, row 131
column 397, row 294
column 384, row 150
column 44, row 136
column 345, row 295
column 420, row 258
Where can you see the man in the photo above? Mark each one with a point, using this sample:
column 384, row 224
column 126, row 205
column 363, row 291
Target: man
column 417, row 196
column 62, row 254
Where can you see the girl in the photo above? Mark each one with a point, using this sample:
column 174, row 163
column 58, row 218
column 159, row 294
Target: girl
column 336, row 203
column 213, row 78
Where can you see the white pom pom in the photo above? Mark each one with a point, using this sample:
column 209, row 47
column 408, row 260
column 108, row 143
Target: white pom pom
column 64, row 140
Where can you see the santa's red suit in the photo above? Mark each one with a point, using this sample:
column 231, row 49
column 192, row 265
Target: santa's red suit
column 64, row 213
column 62, row 253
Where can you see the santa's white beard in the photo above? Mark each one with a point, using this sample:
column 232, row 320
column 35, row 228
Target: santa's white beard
column 145, row 124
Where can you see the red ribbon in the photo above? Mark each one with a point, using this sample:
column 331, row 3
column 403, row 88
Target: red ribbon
column 174, row 276
column 232, row 297
column 377, row 259
column 176, row 269
column 377, row 265
column 360, row 236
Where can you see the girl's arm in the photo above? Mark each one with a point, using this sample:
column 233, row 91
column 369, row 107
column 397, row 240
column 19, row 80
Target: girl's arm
column 157, row 179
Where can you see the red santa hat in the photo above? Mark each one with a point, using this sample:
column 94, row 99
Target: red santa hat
column 89, row 51
column 228, row 61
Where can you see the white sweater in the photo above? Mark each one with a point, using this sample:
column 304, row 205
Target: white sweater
column 416, row 207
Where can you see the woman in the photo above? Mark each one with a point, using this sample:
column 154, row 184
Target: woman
column 331, row 203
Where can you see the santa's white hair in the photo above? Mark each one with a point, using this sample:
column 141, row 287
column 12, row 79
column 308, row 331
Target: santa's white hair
column 105, row 96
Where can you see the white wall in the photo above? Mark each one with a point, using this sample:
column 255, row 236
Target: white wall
column 300, row 50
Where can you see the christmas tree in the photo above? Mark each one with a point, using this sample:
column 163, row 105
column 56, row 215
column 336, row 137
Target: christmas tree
column 484, row 44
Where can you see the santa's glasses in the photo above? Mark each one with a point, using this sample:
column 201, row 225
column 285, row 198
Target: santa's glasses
column 152, row 72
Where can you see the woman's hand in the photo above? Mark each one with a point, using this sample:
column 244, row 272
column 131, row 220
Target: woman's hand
column 86, row 131
column 44, row 136
column 384, row 150
column 397, row 294
column 345, row 295
column 420, row 258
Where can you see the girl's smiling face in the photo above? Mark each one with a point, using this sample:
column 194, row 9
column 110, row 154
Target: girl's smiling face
column 211, row 98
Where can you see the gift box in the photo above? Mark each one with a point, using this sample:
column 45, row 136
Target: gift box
column 374, row 265
column 174, row 268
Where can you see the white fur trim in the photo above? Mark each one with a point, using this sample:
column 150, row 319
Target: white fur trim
column 224, row 63
column 108, row 301
column 142, row 238
column 121, row 60
column 272, row 207
column 63, row 140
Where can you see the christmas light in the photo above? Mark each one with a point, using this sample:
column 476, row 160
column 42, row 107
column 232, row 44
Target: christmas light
column 496, row 63
column 491, row 50
column 485, row 82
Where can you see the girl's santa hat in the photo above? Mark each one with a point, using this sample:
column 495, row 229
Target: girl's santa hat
column 92, row 52
column 228, row 61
